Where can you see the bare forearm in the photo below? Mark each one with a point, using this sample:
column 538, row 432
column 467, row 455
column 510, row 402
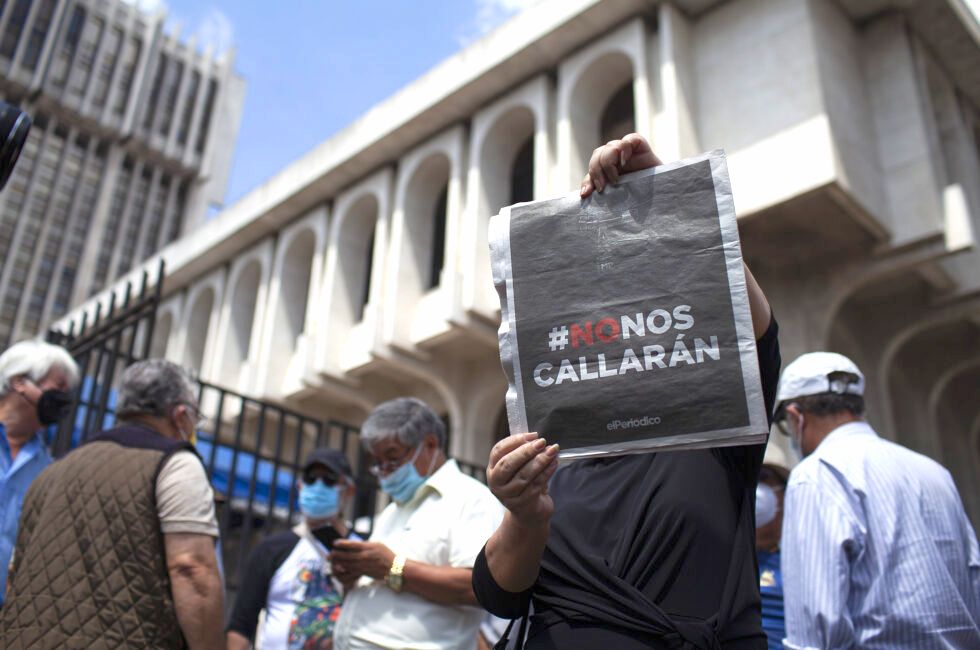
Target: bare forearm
column 514, row 553
column 197, row 598
column 758, row 303
column 235, row 641
column 443, row 585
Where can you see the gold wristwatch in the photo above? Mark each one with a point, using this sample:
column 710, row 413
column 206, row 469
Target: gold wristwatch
column 395, row 578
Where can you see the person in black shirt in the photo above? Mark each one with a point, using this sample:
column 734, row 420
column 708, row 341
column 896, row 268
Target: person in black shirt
column 288, row 574
column 642, row 551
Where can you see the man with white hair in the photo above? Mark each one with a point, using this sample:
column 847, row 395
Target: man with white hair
column 877, row 551
column 36, row 380
column 117, row 541
column 414, row 588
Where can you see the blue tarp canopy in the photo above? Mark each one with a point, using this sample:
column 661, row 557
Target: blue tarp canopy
column 244, row 466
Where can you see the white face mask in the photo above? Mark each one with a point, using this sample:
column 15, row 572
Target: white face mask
column 766, row 505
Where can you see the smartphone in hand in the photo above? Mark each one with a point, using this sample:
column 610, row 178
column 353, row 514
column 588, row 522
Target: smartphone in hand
column 326, row 535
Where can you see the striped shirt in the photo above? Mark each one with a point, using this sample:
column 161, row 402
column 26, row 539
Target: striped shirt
column 877, row 551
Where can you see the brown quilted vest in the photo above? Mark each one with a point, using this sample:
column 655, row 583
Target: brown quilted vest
column 89, row 566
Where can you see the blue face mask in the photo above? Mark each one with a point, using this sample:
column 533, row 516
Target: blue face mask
column 402, row 484
column 319, row 500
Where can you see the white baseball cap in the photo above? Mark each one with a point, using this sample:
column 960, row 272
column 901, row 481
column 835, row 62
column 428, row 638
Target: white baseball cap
column 813, row 374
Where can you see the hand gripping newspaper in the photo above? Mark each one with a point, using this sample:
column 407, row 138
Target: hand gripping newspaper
column 625, row 323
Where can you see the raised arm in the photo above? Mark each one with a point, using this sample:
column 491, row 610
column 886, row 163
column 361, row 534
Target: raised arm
column 518, row 474
column 633, row 153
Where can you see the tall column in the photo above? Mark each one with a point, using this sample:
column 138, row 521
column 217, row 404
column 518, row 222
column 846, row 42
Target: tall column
column 128, row 21
column 190, row 157
column 60, row 178
column 148, row 215
column 55, row 30
column 124, row 221
column 25, row 36
column 178, row 113
column 73, row 215
column 100, row 54
column 86, row 268
column 171, row 211
column 30, row 196
column 143, row 75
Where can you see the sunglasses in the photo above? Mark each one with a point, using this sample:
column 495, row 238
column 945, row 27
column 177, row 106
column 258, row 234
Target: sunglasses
column 310, row 479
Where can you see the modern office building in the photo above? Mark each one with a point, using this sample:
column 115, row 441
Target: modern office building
column 852, row 127
column 132, row 141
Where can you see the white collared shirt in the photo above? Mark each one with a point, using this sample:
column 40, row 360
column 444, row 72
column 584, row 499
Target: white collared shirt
column 446, row 523
column 877, row 551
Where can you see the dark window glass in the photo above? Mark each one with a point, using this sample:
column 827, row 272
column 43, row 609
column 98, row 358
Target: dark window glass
column 438, row 238
column 66, row 54
column 151, row 104
column 110, row 56
column 131, row 57
column 202, row 134
column 522, row 173
column 184, row 128
column 39, row 32
column 15, row 27
column 171, row 91
column 366, row 286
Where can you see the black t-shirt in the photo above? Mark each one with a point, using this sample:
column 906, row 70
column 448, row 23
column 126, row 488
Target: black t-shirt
column 649, row 551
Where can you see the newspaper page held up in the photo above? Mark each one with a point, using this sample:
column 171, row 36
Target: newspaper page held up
column 625, row 323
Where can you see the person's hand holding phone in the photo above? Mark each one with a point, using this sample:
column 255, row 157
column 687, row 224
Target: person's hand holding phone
column 352, row 559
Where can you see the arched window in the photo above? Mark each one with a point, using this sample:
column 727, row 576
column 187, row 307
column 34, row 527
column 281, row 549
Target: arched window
column 617, row 117
column 425, row 206
column 243, row 300
column 355, row 260
column 290, row 316
column 599, row 107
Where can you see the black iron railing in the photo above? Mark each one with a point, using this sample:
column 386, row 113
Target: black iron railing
column 252, row 449
column 102, row 346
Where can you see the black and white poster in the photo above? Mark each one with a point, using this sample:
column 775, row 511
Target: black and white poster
column 625, row 317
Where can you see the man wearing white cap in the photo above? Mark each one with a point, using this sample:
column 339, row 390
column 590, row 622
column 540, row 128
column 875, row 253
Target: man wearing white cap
column 877, row 551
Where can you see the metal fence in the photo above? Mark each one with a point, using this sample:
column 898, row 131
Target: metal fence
column 102, row 346
column 253, row 449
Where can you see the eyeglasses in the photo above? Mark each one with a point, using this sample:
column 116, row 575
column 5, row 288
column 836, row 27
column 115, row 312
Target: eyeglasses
column 196, row 415
column 386, row 467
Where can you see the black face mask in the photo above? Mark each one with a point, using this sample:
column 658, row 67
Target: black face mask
column 53, row 406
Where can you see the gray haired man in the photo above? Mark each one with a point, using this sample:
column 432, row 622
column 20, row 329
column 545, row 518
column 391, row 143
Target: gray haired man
column 91, row 564
column 414, row 576
column 35, row 383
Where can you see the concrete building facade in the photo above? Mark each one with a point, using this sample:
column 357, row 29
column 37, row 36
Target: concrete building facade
column 132, row 141
column 360, row 272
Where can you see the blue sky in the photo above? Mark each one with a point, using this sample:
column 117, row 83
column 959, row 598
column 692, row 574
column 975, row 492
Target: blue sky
column 312, row 67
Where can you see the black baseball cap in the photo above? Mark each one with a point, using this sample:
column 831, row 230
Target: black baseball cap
column 333, row 459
